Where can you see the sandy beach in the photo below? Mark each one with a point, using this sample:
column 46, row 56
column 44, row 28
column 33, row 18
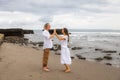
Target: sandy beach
column 24, row 63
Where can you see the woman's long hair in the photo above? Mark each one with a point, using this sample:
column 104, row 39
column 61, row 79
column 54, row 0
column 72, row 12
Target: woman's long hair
column 66, row 32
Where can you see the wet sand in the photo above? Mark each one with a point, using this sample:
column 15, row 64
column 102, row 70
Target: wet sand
column 24, row 63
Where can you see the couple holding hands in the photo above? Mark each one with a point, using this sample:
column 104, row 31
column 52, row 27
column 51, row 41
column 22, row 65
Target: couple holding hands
column 65, row 53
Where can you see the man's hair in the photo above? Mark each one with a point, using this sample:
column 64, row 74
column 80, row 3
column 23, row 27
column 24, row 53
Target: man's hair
column 45, row 26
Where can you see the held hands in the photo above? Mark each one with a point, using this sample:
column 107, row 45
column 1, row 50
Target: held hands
column 54, row 33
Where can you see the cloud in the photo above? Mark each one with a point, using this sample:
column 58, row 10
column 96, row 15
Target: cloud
column 47, row 6
column 76, row 14
column 18, row 19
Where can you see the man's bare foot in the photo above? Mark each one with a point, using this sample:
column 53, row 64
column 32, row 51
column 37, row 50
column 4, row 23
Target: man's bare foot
column 46, row 69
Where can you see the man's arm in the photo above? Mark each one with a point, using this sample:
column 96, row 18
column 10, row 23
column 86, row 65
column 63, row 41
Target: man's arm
column 49, row 36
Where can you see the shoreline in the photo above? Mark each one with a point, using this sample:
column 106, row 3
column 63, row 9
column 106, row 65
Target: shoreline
column 24, row 63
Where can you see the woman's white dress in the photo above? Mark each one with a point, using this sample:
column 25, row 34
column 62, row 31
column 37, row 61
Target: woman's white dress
column 65, row 52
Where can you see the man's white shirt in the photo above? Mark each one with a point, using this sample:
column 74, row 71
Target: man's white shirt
column 47, row 41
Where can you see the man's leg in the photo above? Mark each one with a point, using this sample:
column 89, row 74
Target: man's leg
column 45, row 58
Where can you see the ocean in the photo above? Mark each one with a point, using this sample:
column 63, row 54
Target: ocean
column 89, row 40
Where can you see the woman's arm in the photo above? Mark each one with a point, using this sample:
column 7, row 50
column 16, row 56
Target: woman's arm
column 60, row 38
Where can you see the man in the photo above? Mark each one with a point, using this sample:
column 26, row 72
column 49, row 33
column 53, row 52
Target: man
column 47, row 45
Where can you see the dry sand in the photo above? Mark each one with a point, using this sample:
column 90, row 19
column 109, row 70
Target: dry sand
column 24, row 63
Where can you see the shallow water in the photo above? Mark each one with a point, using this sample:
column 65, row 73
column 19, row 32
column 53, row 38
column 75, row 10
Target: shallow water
column 89, row 41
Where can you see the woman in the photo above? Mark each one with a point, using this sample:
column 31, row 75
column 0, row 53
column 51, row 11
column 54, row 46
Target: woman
column 65, row 53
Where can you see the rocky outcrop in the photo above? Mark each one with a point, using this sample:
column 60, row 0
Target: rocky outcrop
column 15, row 35
column 16, row 39
column 15, row 32
column 28, row 31
column 1, row 38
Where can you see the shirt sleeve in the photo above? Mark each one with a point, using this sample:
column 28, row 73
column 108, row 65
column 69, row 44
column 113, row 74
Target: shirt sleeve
column 46, row 35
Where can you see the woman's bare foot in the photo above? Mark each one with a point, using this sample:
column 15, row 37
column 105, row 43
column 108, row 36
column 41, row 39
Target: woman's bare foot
column 64, row 70
column 67, row 70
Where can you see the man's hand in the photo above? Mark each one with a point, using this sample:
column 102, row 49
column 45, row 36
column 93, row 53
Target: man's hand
column 54, row 33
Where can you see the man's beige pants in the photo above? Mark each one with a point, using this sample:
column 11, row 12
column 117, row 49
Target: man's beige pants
column 45, row 57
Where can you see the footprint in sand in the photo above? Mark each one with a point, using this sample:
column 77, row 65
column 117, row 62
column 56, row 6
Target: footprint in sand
column 0, row 59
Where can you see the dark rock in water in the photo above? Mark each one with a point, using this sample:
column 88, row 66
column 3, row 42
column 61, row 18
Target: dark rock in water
column 79, row 47
column 37, row 43
column 119, row 53
column 52, row 49
column 107, row 57
column 98, row 49
column 35, row 48
column 76, row 48
column 57, row 47
column 72, row 57
column 99, row 59
column 109, row 51
column 40, row 44
column 108, row 64
column 105, row 51
column 108, row 54
column 57, row 53
column 15, row 32
column 80, row 57
column 90, row 47
column 26, row 39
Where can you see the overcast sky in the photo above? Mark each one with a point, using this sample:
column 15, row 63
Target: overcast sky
column 82, row 14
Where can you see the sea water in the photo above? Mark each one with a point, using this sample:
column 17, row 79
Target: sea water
column 89, row 40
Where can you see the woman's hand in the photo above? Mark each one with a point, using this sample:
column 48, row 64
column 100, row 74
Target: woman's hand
column 55, row 32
